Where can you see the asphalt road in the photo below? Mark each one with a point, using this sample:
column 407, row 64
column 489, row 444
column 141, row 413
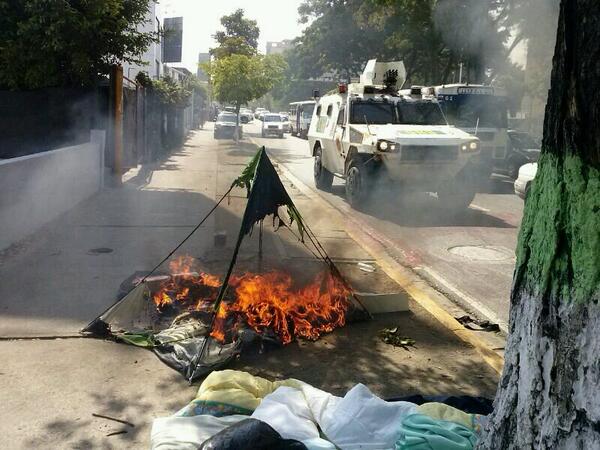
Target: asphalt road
column 468, row 257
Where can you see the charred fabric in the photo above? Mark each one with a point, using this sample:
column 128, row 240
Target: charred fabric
column 196, row 321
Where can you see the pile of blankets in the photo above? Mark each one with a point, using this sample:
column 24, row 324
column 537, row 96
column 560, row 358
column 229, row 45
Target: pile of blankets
column 236, row 410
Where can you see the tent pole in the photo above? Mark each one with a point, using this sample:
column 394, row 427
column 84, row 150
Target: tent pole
column 260, row 239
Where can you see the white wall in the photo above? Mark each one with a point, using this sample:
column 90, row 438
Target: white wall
column 36, row 189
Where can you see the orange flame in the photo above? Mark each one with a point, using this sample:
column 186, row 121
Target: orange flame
column 185, row 286
column 261, row 301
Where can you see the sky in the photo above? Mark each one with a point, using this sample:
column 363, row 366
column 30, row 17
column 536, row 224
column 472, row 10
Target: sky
column 277, row 20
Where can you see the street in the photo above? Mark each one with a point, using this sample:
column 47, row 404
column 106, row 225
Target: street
column 469, row 257
column 67, row 273
column 303, row 224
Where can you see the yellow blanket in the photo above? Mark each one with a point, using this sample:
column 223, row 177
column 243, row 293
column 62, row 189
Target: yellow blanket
column 227, row 392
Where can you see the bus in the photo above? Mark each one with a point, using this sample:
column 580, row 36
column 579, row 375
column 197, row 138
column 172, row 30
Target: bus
column 300, row 116
column 481, row 111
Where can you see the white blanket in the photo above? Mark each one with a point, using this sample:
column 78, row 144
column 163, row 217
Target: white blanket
column 188, row 433
column 360, row 420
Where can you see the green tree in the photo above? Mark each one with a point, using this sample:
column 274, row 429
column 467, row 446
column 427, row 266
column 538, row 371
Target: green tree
column 548, row 395
column 432, row 37
column 335, row 40
column 240, row 36
column 68, row 42
column 239, row 79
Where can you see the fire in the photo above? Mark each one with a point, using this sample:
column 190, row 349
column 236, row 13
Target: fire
column 186, row 288
column 268, row 301
column 263, row 302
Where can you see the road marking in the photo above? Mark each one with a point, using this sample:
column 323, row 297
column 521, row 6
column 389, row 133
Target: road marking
column 415, row 286
column 479, row 208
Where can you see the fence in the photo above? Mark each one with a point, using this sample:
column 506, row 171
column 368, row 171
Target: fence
column 44, row 119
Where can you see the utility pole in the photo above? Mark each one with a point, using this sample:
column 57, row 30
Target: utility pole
column 116, row 79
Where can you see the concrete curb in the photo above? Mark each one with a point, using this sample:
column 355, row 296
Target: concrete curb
column 418, row 289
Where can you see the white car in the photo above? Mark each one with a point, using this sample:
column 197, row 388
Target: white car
column 272, row 125
column 287, row 126
column 246, row 116
column 523, row 182
column 261, row 115
column 258, row 112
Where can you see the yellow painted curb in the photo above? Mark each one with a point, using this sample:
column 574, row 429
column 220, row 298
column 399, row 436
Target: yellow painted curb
column 405, row 278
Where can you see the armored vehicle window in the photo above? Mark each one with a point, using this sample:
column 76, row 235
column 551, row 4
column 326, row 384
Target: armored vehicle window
column 319, row 110
column 373, row 113
column 420, row 113
column 329, row 110
column 340, row 120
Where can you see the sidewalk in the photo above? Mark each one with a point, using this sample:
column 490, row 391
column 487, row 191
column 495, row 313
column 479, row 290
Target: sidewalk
column 63, row 276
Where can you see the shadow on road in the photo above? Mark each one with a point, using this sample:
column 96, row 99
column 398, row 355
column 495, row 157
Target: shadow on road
column 421, row 209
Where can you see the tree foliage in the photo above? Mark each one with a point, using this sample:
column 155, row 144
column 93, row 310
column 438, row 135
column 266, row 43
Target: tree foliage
column 68, row 42
column 432, row 37
column 171, row 93
column 239, row 37
column 335, row 41
column 239, row 79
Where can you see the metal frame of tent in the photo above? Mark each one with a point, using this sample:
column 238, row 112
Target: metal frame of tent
column 266, row 194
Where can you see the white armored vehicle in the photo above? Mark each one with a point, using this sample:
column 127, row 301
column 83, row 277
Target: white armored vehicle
column 367, row 133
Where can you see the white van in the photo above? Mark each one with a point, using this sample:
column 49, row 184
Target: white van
column 367, row 132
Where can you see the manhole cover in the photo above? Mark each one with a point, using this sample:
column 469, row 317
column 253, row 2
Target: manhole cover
column 482, row 252
column 100, row 250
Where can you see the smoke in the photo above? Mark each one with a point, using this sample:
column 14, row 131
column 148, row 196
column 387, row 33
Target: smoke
column 468, row 29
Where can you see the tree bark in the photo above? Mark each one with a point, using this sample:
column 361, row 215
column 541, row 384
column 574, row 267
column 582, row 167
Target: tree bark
column 549, row 393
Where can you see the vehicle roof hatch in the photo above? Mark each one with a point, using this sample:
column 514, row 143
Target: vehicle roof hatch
column 389, row 74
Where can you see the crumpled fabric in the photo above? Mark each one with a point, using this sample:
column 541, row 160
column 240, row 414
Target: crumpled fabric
column 439, row 411
column 465, row 403
column 359, row 420
column 187, row 433
column 250, row 434
column 226, row 392
column 421, row 432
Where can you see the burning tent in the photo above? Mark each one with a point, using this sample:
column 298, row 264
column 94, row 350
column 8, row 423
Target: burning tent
column 196, row 322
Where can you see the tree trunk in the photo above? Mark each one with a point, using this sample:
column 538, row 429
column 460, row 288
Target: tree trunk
column 549, row 393
column 237, row 122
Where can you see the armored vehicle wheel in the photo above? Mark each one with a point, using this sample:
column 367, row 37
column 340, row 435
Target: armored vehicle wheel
column 357, row 184
column 323, row 177
column 456, row 196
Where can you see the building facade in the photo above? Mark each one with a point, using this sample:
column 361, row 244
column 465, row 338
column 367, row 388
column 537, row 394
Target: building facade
column 153, row 56
column 275, row 48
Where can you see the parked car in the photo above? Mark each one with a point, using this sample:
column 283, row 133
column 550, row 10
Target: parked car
column 258, row 112
column 262, row 114
column 523, row 182
column 522, row 149
column 225, row 126
column 246, row 116
column 272, row 125
column 287, row 126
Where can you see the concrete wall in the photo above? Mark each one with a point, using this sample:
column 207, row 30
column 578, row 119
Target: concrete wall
column 36, row 189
